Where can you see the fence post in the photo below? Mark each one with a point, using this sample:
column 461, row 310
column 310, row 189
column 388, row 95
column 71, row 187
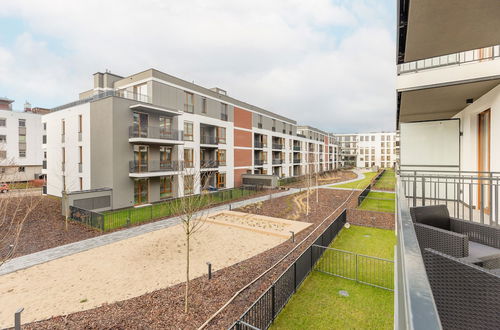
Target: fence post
column 151, row 212
column 356, row 275
column 295, row 277
column 17, row 319
column 273, row 309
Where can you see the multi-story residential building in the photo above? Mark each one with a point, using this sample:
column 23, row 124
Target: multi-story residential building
column 369, row 149
column 20, row 143
column 448, row 113
column 144, row 136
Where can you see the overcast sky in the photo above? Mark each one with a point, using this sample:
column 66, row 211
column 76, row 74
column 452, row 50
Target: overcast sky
column 328, row 64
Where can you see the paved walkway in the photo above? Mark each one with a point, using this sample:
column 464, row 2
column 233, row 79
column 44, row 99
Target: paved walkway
column 36, row 258
column 80, row 246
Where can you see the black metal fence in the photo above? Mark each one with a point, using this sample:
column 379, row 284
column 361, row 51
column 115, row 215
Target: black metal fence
column 263, row 311
column 87, row 217
column 367, row 190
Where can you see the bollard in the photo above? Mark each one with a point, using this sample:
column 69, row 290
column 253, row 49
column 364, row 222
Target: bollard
column 209, row 270
column 230, row 207
column 17, row 319
column 293, row 236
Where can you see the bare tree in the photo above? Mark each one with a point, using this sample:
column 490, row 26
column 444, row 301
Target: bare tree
column 15, row 208
column 190, row 209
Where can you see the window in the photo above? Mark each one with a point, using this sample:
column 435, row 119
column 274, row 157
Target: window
column 81, row 183
column 382, row 138
column 221, row 157
column 44, row 126
column 188, row 184
column 188, row 131
column 80, row 155
column 383, row 144
column 22, row 138
column 221, row 180
column 3, row 122
column 189, row 103
column 373, row 137
column 166, row 187
column 44, row 139
column 80, row 124
column 223, row 111
column 22, row 153
column 3, row 138
column 259, row 124
column 263, row 157
column 22, row 122
column 165, row 127
column 141, row 191
column 188, row 158
column 274, row 125
column 221, row 135
column 3, row 154
column 63, row 157
column 21, row 169
column 204, row 105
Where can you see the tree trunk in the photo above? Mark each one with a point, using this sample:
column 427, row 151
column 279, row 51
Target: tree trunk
column 186, row 304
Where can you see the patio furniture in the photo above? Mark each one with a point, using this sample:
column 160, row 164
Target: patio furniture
column 466, row 295
column 435, row 229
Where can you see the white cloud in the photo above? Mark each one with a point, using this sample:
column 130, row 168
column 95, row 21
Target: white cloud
column 323, row 63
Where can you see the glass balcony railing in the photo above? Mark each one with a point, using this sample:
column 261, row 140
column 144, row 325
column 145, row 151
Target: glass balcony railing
column 154, row 166
column 152, row 132
column 469, row 56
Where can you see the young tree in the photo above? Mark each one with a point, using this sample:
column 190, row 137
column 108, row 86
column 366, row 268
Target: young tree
column 190, row 211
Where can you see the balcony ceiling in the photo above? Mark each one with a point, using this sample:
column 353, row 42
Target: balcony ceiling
column 439, row 27
column 440, row 102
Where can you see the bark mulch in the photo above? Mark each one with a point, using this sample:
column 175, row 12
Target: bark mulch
column 384, row 220
column 44, row 228
column 327, row 178
column 165, row 308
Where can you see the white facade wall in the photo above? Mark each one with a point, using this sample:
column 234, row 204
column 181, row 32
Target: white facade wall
column 32, row 162
column 376, row 149
column 56, row 176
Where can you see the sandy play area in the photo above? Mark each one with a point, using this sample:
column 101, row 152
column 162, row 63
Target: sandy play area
column 137, row 265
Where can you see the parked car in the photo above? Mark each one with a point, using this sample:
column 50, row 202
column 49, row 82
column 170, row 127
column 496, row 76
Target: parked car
column 4, row 187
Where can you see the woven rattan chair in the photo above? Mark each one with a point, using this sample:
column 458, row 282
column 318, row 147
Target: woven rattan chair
column 466, row 295
column 435, row 229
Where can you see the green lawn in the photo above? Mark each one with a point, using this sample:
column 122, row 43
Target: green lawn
column 318, row 304
column 379, row 201
column 359, row 184
column 387, row 181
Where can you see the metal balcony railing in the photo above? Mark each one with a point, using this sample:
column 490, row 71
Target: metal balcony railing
column 209, row 163
column 120, row 93
column 296, row 148
column 296, row 160
column 208, row 139
column 259, row 162
column 469, row 56
column 277, row 161
column 277, row 146
column 154, row 132
column 258, row 144
column 154, row 166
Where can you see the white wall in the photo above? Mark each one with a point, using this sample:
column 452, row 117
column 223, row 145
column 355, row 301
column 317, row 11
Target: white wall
column 54, row 149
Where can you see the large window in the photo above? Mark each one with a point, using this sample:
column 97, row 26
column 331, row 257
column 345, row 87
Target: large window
column 22, row 122
column 3, row 122
column 221, row 135
column 165, row 127
column 140, row 124
column 221, row 180
column 204, row 105
column 141, row 191
column 165, row 157
column 189, row 103
column 166, row 186
column 221, row 157
column 3, row 138
column 223, row 112
column 188, row 131
column 188, row 184
column 188, row 158
column 80, row 123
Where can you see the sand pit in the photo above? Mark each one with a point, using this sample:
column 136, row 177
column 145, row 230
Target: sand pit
column 137, row 265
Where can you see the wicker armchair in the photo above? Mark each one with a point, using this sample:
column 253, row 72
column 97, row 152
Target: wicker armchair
column 466, row 295
column 436, row 230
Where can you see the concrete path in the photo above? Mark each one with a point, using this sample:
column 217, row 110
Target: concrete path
column 84, row 245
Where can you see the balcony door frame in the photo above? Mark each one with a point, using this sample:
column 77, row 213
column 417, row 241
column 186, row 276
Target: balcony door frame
column 484, row 155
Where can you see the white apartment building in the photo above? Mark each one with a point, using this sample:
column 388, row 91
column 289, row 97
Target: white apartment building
column 365, row 150
column 20, row 144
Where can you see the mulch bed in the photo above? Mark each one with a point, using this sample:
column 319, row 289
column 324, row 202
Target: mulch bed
column 329, row 178
column 44, row 228
column 375, row 219
column 165, row 308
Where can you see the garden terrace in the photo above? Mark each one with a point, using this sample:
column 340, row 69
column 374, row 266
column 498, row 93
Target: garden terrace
column 358, row 184
column 387, row 181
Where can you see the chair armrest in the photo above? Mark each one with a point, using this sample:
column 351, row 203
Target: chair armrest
column 444, row 241
column 477, row 232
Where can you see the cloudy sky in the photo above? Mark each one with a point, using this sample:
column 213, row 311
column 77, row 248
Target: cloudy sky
column 328, row 64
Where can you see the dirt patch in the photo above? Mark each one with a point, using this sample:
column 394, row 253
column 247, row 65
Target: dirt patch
column 45, row 228
column 164, row 308
column 375, row 219
column 326, row 178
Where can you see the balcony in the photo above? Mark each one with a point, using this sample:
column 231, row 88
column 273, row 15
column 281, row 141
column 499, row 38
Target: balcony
column 259, row 145
column 296, row 160
column 209, row 139
column 154, row 168
column 296, row 148
column 277, row 146
column 259, row 162
column 210, row 163
column 277, row 161
column 444, row 274
column 154, row 135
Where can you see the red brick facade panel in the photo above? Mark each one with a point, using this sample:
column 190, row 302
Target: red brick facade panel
column 242, row 118
column 237, row 176
column 242, row 157
column 242, row 138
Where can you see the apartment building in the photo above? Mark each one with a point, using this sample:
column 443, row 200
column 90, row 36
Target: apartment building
column 148, row 136
column 379, row 149
column 448, row 114
column 20, row 143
